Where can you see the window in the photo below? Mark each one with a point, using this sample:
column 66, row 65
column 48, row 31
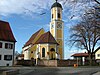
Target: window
column 0, row 44
column 52, row 15
column 0, row 57
column 31, row 51
column 52, row 26
column 98, row 55
column 58, row 15
column 7, row 57
column 8, row 46
column 43, row 52
column 52, row 53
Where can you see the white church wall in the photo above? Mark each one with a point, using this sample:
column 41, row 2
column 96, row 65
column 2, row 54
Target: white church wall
column 27, row 55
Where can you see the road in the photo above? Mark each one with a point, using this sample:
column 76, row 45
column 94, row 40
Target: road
column 55, row 70
column 65, row 71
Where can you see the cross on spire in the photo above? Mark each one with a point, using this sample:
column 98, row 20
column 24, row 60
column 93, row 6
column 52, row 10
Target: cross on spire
column 56, row 0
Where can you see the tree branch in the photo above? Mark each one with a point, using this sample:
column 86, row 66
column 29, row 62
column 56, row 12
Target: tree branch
column 97, row 1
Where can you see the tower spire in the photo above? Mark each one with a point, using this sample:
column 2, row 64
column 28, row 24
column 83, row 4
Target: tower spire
column 56, row 0
column 56, row 27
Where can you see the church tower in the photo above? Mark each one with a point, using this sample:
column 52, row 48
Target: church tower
column 57, row 27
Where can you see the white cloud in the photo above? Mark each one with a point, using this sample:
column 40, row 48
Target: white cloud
column 77, row 51
column 29, row 7
column 76, row 8
column 75, row 18
column 8, row 7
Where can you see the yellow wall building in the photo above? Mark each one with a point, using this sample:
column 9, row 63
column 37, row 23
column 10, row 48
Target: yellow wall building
column 47, row 45
column 97, row 54
column 29, row 49
column 57, row 27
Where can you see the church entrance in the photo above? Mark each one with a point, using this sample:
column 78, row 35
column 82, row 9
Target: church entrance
column 52, row 54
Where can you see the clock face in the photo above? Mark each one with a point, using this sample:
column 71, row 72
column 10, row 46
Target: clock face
column 52, row 26
column 59, row 25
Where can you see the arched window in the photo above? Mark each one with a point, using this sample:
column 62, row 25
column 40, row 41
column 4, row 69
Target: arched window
column 52, row 53
column 52, row 49
column 43, row 52
column 58, row 15
column 52, row 16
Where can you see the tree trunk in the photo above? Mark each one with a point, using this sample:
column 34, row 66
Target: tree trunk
column 90, row 59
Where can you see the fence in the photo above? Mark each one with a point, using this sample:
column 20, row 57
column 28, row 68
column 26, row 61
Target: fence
column 53, row 63
column 25, row 62
column 58, row 63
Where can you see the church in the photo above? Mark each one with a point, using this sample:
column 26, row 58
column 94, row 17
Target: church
column 47, row 45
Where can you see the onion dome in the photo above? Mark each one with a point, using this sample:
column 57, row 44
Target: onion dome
column 56, row 4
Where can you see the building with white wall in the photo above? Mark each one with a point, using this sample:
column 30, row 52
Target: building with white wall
column 7, row 44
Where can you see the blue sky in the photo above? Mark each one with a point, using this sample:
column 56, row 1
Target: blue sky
column 25, row 19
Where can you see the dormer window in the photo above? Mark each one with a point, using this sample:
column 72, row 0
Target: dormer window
column 0, row 44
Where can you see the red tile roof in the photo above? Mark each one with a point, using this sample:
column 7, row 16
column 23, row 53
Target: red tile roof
column 32, row 38
column 46, row 38
column 6, row 32
column 80, row 55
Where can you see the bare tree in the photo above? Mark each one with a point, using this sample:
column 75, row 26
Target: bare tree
column 97, row 1
column 84, row 1
column 86, row 34
column 79, row 6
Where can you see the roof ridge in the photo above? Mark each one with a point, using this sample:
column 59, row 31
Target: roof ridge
column 8, row 36
column 48, row 35
column 46, row 38
column 33, row 36
column 4, row 21
column 39, row 30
